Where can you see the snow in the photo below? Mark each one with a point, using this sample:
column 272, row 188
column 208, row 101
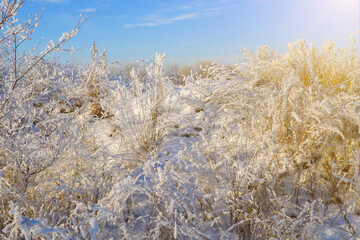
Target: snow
column 235, row 153
column 93, row 228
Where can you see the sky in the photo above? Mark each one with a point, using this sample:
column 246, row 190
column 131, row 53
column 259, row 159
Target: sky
column 190, row 30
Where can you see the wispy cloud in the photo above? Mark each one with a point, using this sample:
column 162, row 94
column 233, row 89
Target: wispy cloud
column 177, row 8
column 168, row 16
column 163, row 20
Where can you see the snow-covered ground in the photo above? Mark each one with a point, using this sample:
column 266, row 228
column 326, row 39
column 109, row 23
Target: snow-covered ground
column 260, row 151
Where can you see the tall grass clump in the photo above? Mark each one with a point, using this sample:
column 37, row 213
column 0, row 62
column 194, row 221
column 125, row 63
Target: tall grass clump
column 280, row 134
column 313, row 103
column 141, row 109
column 300, row 112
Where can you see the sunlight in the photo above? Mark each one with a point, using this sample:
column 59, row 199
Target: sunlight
column 337, row 10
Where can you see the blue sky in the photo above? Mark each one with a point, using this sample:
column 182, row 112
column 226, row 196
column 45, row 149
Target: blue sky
column 188, row 30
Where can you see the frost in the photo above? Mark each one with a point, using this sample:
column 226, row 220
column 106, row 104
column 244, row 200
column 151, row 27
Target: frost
column 64, row 36
column 268, row 149
column 93, row 228
column 297, row 118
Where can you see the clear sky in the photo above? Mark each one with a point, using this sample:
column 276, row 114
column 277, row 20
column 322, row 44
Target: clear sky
column 188, row 30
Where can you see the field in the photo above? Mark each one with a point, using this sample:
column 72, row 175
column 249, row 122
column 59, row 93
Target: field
column 266, row 149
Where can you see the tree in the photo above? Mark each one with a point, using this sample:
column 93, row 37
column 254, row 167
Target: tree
column 33, row 136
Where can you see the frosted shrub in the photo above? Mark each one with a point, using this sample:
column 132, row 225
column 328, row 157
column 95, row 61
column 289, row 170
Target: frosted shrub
column 96, row 75
column 294, row 138
column 306, row 122
column 265, row 150
column 34, row 136
column 141, row 113
column 161, row 201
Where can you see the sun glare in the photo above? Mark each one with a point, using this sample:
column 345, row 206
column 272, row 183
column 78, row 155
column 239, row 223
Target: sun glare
column 343, row 11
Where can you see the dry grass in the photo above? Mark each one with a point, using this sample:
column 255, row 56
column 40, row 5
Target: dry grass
column 299, row 133
column 140, row 121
